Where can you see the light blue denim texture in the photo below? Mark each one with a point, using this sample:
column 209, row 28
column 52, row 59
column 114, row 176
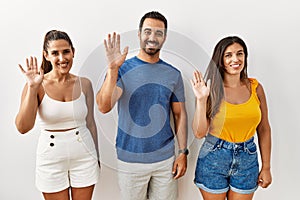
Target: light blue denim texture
column 223, row 165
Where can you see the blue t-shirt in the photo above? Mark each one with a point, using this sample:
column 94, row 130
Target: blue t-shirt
column 144, row 131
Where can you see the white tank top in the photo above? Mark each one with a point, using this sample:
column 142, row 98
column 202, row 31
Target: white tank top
column 56, row 115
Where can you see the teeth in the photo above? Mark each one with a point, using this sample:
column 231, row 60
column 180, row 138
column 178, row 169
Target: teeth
column 235, row 66
column 63, row 65
column 151, row 44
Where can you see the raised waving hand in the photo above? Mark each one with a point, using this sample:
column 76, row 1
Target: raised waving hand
column 200, row 88
column 33, row 76
column 113, row 53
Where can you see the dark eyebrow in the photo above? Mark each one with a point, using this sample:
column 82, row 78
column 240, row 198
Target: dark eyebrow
column 228, row 52
column 67, row 49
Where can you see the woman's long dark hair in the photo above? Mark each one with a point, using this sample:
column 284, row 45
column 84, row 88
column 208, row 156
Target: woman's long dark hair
column 215, row 73
column 50, row 36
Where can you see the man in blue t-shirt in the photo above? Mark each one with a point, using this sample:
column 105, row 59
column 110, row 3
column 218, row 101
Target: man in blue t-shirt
column 147, row 90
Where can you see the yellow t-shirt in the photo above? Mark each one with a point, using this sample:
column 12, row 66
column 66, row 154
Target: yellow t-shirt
column 238, row 122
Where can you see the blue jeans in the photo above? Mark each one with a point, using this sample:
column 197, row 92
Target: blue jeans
column 223, row 165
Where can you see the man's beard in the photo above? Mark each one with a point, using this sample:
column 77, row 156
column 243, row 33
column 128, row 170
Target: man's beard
column 151, row 51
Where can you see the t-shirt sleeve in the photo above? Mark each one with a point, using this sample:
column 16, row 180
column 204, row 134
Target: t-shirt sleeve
column 178, row 93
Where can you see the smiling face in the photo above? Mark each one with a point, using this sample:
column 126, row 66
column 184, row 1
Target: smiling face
column 152, row 36
column 234, row 59
column 60, row 54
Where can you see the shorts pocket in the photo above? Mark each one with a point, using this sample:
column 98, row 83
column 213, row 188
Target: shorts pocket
column 251, row 148
column 206, row 148
column 43, row 145
column 87, row 141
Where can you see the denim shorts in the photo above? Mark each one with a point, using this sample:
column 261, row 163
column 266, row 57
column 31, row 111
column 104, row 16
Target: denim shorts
column 223, row 166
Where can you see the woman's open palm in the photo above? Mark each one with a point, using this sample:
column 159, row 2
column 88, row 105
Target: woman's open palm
column 33, row 76
column 200, row 88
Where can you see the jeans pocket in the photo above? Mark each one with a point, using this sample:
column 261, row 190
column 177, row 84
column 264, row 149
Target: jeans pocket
column 206, row 148
column 251, row 148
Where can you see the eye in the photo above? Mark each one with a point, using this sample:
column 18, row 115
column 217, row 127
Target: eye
column 227, row 55
column 54, row 53
column 240, row 54
column 147, row 32
column 159, row 34
column 67, row 51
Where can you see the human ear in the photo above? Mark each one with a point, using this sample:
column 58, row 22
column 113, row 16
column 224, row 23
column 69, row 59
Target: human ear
column 45, row 53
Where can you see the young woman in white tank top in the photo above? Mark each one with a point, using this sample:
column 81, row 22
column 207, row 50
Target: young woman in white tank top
column 67, row 152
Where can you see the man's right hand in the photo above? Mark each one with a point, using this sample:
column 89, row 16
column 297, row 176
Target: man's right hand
column 113, row 53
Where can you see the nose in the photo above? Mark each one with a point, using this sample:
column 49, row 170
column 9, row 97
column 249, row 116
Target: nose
column 152, row 36
column 61, row 57
column 234, row 57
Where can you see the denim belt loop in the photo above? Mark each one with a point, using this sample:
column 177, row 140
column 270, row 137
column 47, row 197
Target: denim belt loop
column 220, row 143
column 244, row 147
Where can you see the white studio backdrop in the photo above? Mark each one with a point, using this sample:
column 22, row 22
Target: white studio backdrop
column 270, row 28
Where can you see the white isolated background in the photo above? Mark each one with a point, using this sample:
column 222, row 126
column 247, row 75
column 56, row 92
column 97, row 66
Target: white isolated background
column 270, row 28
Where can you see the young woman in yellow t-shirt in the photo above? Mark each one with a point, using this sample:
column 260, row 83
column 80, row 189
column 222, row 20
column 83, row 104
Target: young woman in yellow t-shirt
column 230, row 109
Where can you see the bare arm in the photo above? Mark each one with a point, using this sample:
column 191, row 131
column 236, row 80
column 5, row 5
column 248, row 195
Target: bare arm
column 180, row 121
column 264, row 140
column 26, row 116
column 90, row 120
column 109, row 92
column 200, row 123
